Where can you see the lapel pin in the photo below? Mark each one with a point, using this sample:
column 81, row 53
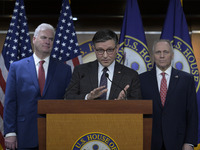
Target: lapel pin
column 119, row 71
column 176, row 76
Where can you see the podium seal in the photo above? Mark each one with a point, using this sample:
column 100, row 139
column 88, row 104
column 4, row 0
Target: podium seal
column 95, row 141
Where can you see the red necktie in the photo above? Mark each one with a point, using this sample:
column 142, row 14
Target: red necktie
column 163, row 89
column 41, row 76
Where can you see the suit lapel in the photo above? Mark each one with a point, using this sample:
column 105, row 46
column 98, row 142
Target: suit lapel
column 51, row 70
column 32, row 72
column 117, row 76
column 93, row 74
column 154, row 83
column 172, row 84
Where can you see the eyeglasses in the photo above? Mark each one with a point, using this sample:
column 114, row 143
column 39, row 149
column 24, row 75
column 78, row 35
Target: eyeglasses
column 109, row 51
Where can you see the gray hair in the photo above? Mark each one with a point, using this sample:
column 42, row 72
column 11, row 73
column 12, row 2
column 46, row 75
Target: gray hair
column 163, row 40
column 43, row 26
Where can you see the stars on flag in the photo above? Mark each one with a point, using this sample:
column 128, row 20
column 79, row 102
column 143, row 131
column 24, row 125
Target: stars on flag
column 17, row 44
column 65, row 44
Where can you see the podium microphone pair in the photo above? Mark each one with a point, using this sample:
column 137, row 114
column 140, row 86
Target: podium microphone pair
column 107, row 76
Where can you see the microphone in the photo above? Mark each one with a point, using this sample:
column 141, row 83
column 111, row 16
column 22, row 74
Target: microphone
column 69, row 88
column 107, row 76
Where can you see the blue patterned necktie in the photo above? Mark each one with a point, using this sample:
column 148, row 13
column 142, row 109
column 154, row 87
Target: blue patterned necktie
column 103, row 82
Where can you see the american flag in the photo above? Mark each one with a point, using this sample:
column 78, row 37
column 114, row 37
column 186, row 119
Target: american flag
column 17, row 45
column 66, row 46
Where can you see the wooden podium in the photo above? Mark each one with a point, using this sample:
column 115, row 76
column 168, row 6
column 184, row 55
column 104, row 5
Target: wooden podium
column 127, row 122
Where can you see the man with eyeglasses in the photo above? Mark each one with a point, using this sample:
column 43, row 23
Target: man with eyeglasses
column 104, row 78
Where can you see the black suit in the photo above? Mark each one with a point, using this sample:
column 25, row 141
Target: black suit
column 85, row 79
column 177, row 122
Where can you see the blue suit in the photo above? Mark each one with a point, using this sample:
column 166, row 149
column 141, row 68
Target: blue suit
column 22, row 94
column 177, row 122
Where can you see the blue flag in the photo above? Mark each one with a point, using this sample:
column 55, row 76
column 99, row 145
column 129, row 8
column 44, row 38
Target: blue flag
column 17, row 45
column 176, row 30
column 66, row 46
column 133, row 51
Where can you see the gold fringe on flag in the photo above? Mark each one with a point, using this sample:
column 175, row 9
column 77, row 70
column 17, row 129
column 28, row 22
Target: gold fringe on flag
column 197, row 148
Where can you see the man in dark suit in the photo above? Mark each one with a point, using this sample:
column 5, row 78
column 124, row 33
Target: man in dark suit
column 86, row 78
column 175, row 117
column 23, row 90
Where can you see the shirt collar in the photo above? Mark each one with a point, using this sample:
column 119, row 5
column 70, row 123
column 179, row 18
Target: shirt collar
column 110, row 68
column 37, row 59
column 168, row 71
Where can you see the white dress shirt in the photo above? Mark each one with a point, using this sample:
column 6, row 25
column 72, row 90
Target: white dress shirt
column 167, row 76
column 110, row 72
column 45, row 64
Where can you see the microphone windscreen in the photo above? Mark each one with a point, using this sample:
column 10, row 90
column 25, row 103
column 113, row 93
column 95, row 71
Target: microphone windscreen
column 82, row 76
column 107, row 75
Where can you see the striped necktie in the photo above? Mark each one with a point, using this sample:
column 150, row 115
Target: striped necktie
column 103, row 82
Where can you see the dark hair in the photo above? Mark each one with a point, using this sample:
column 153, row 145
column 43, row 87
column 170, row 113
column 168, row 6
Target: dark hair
column 105, row 35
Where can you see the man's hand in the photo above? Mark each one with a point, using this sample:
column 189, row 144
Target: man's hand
column 11, row 142
column 96, row 93
column 187, row 147
column 122, row 94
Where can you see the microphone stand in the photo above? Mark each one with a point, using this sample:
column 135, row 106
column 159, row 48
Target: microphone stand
column 107, row 76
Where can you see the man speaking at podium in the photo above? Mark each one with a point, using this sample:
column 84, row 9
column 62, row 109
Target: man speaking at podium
column 104, row 78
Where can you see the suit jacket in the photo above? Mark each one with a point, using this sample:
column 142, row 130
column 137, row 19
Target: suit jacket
column 85, row 79
column 177, row 122
column 22, row 94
